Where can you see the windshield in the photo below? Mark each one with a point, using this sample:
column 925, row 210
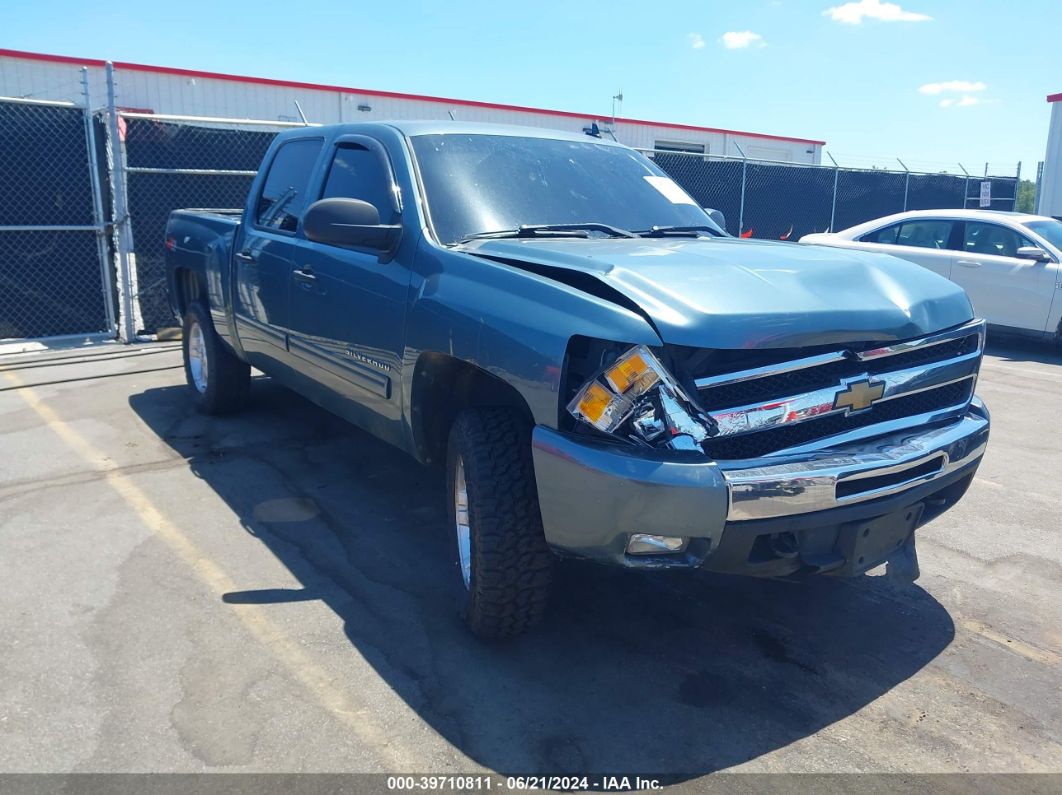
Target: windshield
column 488, row 183
column 1049, row 230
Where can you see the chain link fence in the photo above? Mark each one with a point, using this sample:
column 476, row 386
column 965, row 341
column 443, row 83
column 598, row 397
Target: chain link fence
column 784, row 201
column 169, row 163
column 55, row 275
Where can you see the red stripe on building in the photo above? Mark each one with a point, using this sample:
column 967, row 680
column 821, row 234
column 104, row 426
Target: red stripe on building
column 471, row 103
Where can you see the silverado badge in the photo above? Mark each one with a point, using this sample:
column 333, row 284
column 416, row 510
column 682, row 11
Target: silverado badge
column 859, row 395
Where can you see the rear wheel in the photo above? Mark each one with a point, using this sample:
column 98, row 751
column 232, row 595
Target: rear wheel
column 504, row 567
column 218, row 381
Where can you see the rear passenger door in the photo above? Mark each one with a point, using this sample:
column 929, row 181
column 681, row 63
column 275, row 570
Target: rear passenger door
column 263, row 250
column 923, row 241
column 1003, row 289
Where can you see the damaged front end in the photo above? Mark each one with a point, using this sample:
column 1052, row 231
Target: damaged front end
column 764, row 462
column 634, row 397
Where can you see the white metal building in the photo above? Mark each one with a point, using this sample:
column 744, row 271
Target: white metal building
column 1051, row 182
column 166, row 90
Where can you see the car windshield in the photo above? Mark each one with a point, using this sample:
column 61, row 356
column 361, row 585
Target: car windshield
column 477, row 184
column 1050, row 230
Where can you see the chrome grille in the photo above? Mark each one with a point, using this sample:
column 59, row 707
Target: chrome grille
column 801, row 403
column 835, row 367
column 754, row 445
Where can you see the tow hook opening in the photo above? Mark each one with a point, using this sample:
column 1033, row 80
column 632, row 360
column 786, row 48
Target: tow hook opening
column 775, row 548
column 783, row 545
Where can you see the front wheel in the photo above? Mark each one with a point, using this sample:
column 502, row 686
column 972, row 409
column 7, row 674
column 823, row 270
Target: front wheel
column 218, row 381
column 504, row 567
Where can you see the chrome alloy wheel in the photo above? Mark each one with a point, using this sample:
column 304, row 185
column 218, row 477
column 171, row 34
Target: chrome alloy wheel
column 197, row 357
column 464, row 532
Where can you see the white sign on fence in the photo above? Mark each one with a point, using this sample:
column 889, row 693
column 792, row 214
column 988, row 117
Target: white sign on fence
column 986, row 194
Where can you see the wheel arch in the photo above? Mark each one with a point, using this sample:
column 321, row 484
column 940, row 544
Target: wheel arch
column 443, row 386
column 188, row 286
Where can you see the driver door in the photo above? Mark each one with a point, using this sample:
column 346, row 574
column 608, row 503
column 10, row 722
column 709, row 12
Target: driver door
column 346, row 306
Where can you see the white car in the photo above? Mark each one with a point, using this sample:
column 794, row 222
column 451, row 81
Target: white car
column 1008, row 263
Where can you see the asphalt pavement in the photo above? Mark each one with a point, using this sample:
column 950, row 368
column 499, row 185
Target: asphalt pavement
column 270, row 592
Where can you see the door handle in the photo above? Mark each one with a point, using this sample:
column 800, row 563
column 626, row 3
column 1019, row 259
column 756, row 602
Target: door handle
column 245, row 256
column 969, row 263
column 305, row 275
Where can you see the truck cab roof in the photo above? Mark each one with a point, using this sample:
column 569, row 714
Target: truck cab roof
column 411, row 128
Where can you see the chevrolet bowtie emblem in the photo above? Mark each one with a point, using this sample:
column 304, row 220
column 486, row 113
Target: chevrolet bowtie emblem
column 859, row 395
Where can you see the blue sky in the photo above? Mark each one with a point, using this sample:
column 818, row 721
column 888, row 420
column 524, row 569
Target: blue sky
column 932, row 82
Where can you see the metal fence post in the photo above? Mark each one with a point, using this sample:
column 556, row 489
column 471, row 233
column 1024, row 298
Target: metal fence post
column 97, row 207
column 1017, row 188
column 123, row 235
column 965, row 185
column 741, row 205
column 836, row 175
column 906, row 182
column 1039, row 179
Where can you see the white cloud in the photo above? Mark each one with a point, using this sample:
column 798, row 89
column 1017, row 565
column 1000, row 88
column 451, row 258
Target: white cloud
column 854, row 13
column 696, row 40
column 962, row 102
column 952, row 85
column 739, row 40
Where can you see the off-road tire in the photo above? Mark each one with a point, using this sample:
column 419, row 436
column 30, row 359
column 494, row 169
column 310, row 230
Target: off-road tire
column 511, row 565
column 228, row 380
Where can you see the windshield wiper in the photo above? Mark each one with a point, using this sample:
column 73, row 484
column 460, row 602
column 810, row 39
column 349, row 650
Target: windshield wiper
column 677, row 231
column 551, row 230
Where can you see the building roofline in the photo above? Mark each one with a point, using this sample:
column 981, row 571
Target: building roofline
column 268, row 81
column 1055, row 97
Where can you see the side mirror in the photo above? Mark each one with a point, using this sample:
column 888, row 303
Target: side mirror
column 1034, row 253
column 350, row 223
column 717, row 216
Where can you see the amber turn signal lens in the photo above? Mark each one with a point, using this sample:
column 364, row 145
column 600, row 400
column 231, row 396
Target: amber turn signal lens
column 595, row 402
column 631, row 371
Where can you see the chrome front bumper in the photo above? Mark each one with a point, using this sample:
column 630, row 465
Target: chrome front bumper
column 854, row 473
column 594, row 495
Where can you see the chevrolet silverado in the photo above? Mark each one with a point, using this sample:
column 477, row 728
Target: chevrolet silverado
column 602, row 371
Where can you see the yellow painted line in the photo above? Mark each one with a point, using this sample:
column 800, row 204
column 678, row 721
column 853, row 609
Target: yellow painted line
column 1026, row 650
column 317, row 680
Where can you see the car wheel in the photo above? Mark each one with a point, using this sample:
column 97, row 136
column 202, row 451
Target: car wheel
column 503, row 565
column 219, row 382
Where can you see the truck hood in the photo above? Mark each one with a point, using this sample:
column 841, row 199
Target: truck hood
column 729, row 293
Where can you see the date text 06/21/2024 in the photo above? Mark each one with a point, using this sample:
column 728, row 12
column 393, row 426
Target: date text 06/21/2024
column 520, row 783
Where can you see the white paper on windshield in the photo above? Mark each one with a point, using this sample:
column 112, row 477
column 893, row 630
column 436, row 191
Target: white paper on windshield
column 672, row 192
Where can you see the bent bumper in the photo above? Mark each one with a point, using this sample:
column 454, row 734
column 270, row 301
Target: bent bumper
column 595, row 495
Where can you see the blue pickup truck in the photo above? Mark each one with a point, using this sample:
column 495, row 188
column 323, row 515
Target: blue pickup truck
column 602, row 371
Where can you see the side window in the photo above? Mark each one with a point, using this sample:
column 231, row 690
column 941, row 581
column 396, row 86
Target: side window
column 992, row 240
column 924, row 234
column 283, row 196
column 886, row 235
column 359, row 173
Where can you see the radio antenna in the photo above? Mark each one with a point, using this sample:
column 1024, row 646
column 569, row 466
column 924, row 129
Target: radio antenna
column 302, row 115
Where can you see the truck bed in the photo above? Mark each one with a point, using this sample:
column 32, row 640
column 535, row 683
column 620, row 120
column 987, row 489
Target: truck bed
column 194, row 236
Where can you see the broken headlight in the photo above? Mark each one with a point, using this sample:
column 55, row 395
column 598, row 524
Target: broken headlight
column 637, row 398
